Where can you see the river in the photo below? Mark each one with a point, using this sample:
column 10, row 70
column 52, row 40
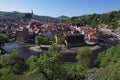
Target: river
column 22, row 48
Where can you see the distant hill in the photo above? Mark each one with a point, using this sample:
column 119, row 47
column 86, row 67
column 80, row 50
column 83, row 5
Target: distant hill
column 63, row 17
column 45, row 18
column 16, row 14
column 13, row 14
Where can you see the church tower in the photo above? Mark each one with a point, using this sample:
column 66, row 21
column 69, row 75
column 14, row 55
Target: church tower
column 32, row 12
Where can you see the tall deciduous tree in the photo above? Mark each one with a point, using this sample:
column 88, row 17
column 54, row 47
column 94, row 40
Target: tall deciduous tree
column 77, row 73
column 112, row 55
column 84, row 57
column 3, row 39
column 40, row 40
column 12, row 63
column 48, row 66
column 111, row 72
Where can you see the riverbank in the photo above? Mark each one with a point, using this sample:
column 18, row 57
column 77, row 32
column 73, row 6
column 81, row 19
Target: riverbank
column 36, row 49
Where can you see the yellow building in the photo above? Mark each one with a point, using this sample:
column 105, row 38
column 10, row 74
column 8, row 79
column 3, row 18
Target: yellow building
column 59, row 38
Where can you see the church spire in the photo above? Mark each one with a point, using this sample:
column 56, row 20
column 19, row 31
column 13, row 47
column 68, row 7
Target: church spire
column 32, row 12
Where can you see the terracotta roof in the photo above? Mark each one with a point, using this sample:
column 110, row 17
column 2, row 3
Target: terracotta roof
column 93, row 37
column 72, row 28
column 88, row 31
column 20, row 28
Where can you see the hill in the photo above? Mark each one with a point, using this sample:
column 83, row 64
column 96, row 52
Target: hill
column 16, row 14
column 93, row 20
column 13, row 14
column 63, row 17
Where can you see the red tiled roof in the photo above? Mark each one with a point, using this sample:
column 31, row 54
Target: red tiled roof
column 88, row 31
column 93, row 37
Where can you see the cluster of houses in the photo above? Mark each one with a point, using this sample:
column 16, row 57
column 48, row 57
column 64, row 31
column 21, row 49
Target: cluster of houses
column 61, row 33
column 27, row 28
column 10, row 25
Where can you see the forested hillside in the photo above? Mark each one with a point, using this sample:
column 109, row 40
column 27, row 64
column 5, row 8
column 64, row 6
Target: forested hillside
column 16, row 14
column 93, row 20
column 111, row 18
column 13, row 14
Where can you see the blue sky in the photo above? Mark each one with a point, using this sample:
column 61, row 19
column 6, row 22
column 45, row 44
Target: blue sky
column 57, row 8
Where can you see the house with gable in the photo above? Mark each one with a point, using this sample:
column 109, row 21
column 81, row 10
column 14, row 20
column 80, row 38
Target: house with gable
column 91, row 35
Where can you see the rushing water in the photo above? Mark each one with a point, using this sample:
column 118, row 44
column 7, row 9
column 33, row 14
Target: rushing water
column 23, row 49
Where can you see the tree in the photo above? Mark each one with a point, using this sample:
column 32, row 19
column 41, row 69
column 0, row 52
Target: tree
column 48, row 66
column 99, row 59
column 3, row 39
column 112, row 55
column 77, row 72
column 94, row 20
column 39, row 40
column 84, row 57
column 111, row 72
column 16, row 77
column 12, row 63
column 109, row 62
column 45, row 41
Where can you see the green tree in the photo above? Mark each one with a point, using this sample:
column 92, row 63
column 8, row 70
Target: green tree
column 48, row 66
column 94, row 20
column 45, row 40
column 84, row 57
column 12, row 63
column 16, row 77
column 77, row 72
column 99, row 59
column 111, row 72
column 112, row 55
column 40, row 40
column 3, row 39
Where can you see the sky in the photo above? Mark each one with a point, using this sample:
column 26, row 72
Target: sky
column 55, row 8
